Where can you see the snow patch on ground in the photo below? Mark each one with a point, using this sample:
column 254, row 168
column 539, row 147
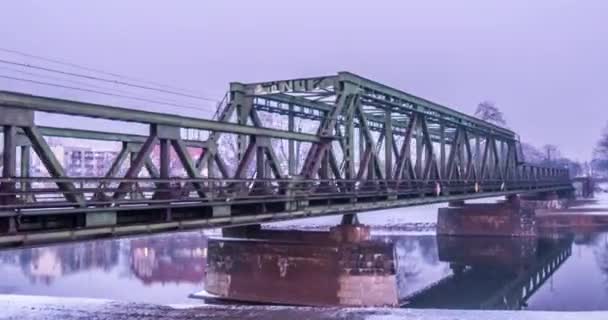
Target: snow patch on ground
column 39, row 307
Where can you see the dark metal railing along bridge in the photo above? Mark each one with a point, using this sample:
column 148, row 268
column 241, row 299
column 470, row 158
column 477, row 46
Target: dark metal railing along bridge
column 274, row 151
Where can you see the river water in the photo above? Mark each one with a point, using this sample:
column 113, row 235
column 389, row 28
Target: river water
column 569, row 272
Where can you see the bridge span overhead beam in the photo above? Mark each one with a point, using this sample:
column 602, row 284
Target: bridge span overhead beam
column 274, row 150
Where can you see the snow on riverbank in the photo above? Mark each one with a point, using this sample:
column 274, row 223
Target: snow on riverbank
column 36, row 307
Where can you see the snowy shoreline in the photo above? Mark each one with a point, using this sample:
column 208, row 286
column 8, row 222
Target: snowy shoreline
column 42, row 307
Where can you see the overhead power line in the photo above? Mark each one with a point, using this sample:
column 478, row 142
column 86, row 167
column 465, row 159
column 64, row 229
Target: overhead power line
column 79, row 66
column 44, row 83
column 26, row 65
column 82, row 83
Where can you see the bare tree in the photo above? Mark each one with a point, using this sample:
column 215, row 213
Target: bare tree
column 551, row 152
column 600, row 154
column 547, row 155
column 531, row 153
column 487, row 111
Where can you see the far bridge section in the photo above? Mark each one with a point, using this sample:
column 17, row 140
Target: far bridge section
column 274, row 151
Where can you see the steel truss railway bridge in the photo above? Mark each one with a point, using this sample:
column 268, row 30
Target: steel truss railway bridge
column 273, row 151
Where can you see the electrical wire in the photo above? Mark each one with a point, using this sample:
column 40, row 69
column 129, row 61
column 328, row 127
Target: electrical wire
column 96, row 92
column 26, row 65
column 81, row 83
column 78, row 66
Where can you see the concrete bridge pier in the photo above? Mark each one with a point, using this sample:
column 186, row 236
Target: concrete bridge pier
column 514, row 217
column 248, row 231
column 547, row 200
column 350, row 219
column 507, row 218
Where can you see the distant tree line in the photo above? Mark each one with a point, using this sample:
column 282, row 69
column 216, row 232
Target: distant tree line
column 599, row 164
column 547, row 155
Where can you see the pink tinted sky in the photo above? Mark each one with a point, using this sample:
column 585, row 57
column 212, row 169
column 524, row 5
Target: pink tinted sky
column 542, row 62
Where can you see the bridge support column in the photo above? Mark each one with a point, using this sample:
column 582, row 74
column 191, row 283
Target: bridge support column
column 350, row 230
column 327, row 273
column 487, row 219
column 350, row 219
column 456, row 203
column 241, row 231
column 546, row 200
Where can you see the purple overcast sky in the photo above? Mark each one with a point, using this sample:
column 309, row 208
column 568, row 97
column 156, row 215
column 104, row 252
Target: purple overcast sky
column 543, row 62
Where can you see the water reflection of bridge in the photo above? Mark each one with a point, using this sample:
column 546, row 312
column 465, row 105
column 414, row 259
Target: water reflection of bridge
column 46, row 264
column 179, row 258
column 492, row 273
column 174, row 259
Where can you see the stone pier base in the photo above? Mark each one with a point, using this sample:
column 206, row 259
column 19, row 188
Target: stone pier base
column 242, row 231
column 514, row 217
column 323, row 273
column 350, row 233
column 545, row 202
column 487, row 219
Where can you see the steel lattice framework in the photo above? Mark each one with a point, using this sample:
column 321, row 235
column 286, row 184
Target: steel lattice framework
column 274, row 150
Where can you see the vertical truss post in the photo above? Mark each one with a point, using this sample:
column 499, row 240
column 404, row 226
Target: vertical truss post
column 324, row 184
column 477, row 154
column 442, row 163
column 165, row 158
column 491, row 158
column 324, row 169
column 10, row 119
column 9, row 164
column 291, row 143
column 134, row 191
column 164, row 170
column 496, row 161
column 362, row 143
column 503, row 157
column 261, row 166
column 210, row 166
column 243, row 108
column 298, row 154
column 418, row 166
column 388, row 144
column 462, row 153
column 349, row 141
column 26, row 160
column 509, row 173
column 469, row 165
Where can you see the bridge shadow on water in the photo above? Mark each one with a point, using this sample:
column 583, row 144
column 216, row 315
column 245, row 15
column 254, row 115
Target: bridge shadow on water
column 350, row 266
